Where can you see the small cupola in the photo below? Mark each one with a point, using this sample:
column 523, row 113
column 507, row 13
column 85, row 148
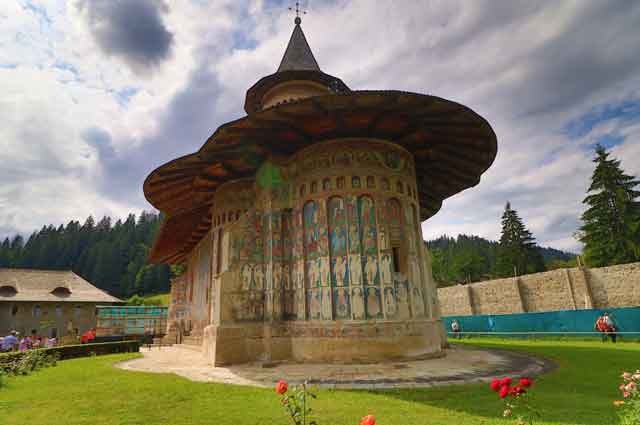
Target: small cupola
column 298, row 77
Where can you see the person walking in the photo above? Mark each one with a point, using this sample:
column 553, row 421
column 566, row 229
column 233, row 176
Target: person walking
column 607, row 327
column 455, row 329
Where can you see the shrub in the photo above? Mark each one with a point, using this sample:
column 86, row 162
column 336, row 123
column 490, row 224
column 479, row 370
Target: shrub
column 18, row 362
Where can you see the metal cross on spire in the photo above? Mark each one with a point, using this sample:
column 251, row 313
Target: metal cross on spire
column 298, row 20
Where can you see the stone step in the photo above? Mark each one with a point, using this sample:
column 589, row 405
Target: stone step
column 189, row 347
column 195, row 341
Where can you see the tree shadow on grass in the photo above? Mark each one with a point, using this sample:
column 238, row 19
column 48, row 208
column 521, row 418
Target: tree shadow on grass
column 580, row 391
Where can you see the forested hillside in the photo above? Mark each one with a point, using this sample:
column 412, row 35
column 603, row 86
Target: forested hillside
column 471, row 259
column 111, row 256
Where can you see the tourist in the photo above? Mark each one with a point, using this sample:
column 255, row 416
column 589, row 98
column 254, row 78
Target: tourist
column 33, row 339
column 25, row 344
column 606, row 326
column 88, row 336
column 10, row 342
column 455, row 329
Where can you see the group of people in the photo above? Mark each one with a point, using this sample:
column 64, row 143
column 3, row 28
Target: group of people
column 13, row 342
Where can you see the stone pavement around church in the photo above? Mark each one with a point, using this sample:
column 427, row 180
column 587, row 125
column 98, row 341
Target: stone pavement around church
column 459, row 365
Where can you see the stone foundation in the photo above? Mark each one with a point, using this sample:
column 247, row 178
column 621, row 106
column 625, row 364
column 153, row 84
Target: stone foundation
column 318, row 342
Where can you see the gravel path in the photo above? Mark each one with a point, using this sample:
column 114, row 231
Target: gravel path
column 460, row 365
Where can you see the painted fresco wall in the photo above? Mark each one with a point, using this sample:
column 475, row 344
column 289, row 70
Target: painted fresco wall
column 320, row 238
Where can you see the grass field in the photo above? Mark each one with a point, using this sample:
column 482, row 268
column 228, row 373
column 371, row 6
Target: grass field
column 92, row 391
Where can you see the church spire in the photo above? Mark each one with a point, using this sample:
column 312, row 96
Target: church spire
column 298, row 56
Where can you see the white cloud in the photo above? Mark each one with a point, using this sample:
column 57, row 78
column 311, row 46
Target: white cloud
column 528, row 67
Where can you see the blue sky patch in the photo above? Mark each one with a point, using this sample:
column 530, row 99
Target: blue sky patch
column 628, row 110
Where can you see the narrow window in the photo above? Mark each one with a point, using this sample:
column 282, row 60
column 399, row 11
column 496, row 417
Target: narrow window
column 396, row 259
column 219, row 252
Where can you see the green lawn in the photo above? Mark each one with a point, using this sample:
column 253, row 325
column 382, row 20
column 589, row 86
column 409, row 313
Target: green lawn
column 91, row 391
column 161, row 299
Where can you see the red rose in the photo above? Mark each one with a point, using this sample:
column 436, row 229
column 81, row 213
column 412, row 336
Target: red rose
column 504, row 391
column 495, row 385
column 281, row 387
column 368, row 420
column 517, row 390
column 526, row 382
column 505, row 382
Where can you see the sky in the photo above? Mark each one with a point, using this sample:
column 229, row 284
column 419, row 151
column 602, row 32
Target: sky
column 95, row 94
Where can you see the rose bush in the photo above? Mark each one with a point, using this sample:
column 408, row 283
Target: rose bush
column 629, row 407
column 368, row 420
column 296, row 405
column 516, row 399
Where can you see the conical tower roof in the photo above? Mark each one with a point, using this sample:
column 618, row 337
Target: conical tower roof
column 298, row 63
column 298, row 55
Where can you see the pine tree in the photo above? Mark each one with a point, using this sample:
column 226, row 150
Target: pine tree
column 611, row 229
column 517, row 251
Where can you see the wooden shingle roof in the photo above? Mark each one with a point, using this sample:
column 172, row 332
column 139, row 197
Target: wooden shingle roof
column 49, row 285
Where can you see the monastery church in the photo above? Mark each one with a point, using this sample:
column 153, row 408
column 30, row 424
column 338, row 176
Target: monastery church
column 300, row 223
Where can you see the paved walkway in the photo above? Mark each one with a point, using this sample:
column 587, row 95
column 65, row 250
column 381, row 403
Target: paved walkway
column 460, row 365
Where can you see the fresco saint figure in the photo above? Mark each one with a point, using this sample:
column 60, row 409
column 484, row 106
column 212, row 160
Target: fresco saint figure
column 327, row 313
column 340, row 271
column 357, row 303
column 389, row 301
column 371, row 270
column 258, row 277
column 245, row 274
column 355, row 268
column 373, row 306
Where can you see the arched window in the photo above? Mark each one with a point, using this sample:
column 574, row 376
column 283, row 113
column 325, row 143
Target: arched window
column 326, row 184
column 355, row 182
column 399, row 187
column 314, row 187
column 385, row 183
column 371, row 182
column 37, row 312
column 340, row 182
